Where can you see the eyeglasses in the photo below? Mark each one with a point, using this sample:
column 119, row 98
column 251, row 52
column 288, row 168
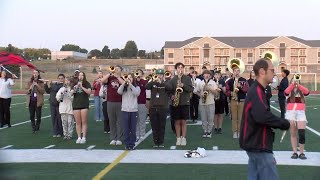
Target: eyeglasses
column 272, row 70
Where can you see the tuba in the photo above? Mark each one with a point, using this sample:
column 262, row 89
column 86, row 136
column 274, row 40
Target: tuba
column 232, row 63
column 272, row 57
column 179, row 90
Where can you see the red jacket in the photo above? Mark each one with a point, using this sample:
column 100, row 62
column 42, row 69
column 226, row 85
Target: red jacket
column 256, row 132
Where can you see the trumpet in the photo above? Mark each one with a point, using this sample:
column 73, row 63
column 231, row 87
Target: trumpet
column 167, row 74
column 136, row 74
column 112, row 69
column 148, row 77
column 154, row 70
column 155, row 77
column 297, row 77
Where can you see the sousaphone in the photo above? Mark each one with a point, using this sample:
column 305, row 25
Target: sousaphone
column 236, row 62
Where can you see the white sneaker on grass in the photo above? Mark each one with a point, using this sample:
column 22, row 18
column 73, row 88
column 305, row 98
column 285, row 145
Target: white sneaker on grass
column 113, row 142
column 178, row 143
column 83, row 140
column 78, row 140
column 118, row 143
column 183, row 141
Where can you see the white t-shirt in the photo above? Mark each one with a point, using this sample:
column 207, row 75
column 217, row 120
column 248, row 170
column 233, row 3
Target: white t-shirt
column 5, row 88
column 210, row 86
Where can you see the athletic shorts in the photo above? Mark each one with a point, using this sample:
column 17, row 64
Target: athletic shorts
column 180, row 112
column 219, row 107
column 296, row 115
column 80, row 108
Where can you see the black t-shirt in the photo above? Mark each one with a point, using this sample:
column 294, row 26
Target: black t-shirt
column 81, row 98
column 223, row 84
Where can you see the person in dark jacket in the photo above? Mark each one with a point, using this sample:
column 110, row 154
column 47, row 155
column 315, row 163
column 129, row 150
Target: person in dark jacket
column 268, row 94
column 251, row 78
column 256, row 134
column 180, row 111
column 158, row 107
column 52, row 89
column 283, row 86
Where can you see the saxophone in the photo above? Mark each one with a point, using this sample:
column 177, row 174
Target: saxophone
column 179, row 90
column 235, row 89
column 205, row 92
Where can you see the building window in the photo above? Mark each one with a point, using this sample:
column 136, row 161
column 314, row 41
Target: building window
column 226, row 52
column 303, row 69
column 302, row 52
column 195, row 52
column 206, row 53
column 238, row 55
column 294, row 60
column 294, row 69
column 238, row 50
column 250, row 60
column 217, row 60
column 249, row 68
column 302, row 60
column 195, row 60
column 294, row 52
column 206, row 45
column 187, row 52
column 282, row 45
column 217, row 52
column 282, row 53
column 319, row 54
column 170, row 55
column 318, row 68
column 250, row 51
column 319, row 60
column 250, row 55
column 187, row 60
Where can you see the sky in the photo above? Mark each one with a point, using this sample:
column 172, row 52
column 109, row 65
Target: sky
column 91, row 24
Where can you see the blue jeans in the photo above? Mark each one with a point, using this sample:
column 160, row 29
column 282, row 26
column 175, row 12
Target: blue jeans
column 129, row 121
column 98, row 108
column 262, row 166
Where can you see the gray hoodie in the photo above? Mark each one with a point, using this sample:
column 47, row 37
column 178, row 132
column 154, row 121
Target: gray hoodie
column 129, row 98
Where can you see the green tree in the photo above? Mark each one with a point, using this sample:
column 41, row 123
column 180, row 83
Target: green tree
column 123, row 53
column 70, row 47
column 142, row 53
column 131, row 49
column 84, row 51
column 115, row 53
column 13, row 68
column 162, row 53
column 106, row 52
column 95, row 53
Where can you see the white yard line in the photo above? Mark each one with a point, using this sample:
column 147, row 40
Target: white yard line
column 6, row 147
column 309, row 128
column 143, row 138
column 145, row 156
column 17, row 124
column 50, row 146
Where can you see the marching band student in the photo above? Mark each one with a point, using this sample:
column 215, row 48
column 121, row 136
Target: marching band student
column 296, row 107
column 282, row 87
column 103, row 95
column 65, row 98
column 97, row 99
column 129, row 107
column 219, row 102
column 52, row 89
column 35, row 100
column 113, row 81
column 142, row 108
column 6, row 84
column 236, row 89
column 180, row 95
column 81, row 92
column 158, row 107
column 226, row 77
column 251, row 78
column 194, row 101
column 206, row 89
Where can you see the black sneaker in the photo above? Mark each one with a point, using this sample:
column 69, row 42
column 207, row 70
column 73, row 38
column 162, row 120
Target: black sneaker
column 294, row 156
column 204, row 135
column 302, row 156
column 215, row 130
column 219, row 131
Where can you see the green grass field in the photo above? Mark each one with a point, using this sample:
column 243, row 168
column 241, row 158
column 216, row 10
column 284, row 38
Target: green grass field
column 21, row 137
